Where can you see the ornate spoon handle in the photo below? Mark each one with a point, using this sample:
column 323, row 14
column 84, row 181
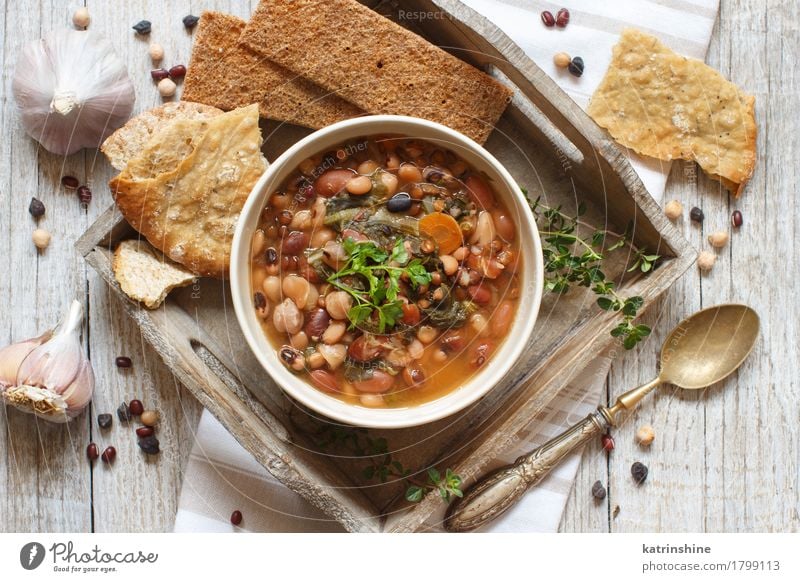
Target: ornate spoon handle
column 499, row 490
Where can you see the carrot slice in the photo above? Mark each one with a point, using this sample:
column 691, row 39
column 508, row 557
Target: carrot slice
column 443, row 229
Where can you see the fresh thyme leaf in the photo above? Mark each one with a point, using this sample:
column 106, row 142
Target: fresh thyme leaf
column 572, row 259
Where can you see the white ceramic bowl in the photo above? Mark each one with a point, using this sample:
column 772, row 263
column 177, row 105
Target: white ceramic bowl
column 504, row 356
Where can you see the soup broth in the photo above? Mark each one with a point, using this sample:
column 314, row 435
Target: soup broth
column 385, row 271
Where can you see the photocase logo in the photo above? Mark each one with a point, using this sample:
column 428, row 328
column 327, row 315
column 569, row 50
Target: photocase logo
column 31, row 555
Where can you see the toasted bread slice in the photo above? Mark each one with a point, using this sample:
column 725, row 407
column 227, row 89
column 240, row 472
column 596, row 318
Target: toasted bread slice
column 351, row 50
column 128, row 140
column 145, row 275
column 226, row 74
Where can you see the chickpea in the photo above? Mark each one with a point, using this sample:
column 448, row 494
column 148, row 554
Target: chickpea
column 272, row 288
column 673, row 209
column 460, row 254
column 287, row 318
column 334, row 332
column 41, row 238
column 439, row 356
column 359, row 185
column 156, row 52
column 409, row 173
column 167, row 87
column 296, row 288
column 718, row 239
column 450, row 264
column 562, row 60
column 706, row 260
column 392, row 161
column 426, row 334
column 338, row 304
column 81, row 18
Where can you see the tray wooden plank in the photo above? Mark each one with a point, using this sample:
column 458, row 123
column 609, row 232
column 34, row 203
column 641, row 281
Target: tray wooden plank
column 551, row 147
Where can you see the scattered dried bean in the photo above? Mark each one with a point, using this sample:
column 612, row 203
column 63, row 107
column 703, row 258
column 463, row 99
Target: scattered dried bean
column 70, row 182
column 548, row 19
column 159, row 74
column 576, row 66
column 36, row 208
column 123, row 412
column 190, row 21
column 236, row 517
column 91, row 452
column 736, row 218
column 639, row 472
column 696, row 214
column 136, row 407
column 149, row 418
column 608, row 442
column 144, row 431
column 562, row 18
column 142, row 27
column 598, row 491
column 84, row 195
column 123, row 362
column 104, row 420
column 177, row 72
column 149, row 445
column 109, row 455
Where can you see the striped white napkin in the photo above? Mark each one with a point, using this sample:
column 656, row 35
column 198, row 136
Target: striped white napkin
column 221, row 476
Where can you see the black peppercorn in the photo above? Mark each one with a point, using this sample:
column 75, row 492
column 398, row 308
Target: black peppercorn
column 142, row 27
column 149, row 445
column 576, row 66
column 124, row 412
column 104, row 420
column 190, row 21
column 598, row 491
column 639, row 472
column 36, row 208
column 696, row 214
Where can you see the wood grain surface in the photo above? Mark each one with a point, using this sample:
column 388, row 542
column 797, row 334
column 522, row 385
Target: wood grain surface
column 725, row 459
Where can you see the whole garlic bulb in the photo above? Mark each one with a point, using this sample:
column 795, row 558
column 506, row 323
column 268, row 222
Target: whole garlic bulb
column 49, row 376
column 72, row 90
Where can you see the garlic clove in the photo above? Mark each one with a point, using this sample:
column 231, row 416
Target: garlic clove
column 79, row 393
column 56, row 363
column 11, row 357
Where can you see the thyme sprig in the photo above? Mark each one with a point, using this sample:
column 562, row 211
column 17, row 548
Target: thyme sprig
column 571, row 258
column 382, row 466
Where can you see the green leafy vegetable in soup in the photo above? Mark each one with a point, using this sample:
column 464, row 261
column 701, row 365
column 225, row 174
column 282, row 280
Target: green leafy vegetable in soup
column 389, row 276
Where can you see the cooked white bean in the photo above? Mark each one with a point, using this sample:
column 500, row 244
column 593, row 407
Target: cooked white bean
column 334, row 332
column 296, row 288
column 372, row 400
column 334, row 354
column 390, row 182
column 299, row 340
column 287, row 318
column 272, row 288
column 450, row 264
column 318, row 212
column 321, row 236
column 426, row 334
column 479, row 323
column 316, row 360
column 259, row 243
column 301, row 220
column 338, row 304
column 415, row 349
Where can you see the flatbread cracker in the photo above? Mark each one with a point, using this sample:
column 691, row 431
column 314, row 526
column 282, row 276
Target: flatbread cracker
column 376, row 64
column 128, row 140
column 145, row 275
column 224, row 73
column 189, row 211
column 667, row 106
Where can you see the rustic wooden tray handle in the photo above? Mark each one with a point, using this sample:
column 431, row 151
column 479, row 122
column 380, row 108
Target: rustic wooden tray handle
column 495, row 493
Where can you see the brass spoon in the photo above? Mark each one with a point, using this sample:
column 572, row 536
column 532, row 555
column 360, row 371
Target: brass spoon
column 702, row 350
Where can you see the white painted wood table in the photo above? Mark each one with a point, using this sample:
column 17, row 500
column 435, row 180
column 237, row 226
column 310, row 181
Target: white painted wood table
column 724, row 459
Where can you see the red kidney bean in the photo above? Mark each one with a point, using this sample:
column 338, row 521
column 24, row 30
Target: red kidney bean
column 70, row 182
column 136, row 407
column 316, row 322
column 159, row 74
column 414, row 375
column 109, row 455
column 92, row 452
column 480, row 191
column 411, row 314
column 123, row 362
column 379, row 382
column 324, row 380
column 144, row 431
column 504, row 226
column 481, row 354
column 294, row 243
column 500, row 320
column 480, row 294
column 548, row 19
column 362, row 351
column 736, row 219
column 562, row 18
column 177, row 72
column 332, row 182
column 452, row 341
column 608, row 442
column 236, row 517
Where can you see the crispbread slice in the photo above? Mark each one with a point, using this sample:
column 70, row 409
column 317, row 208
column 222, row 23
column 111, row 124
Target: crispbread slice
column 226, row 74
column 128, row 140
column 380, row 66
column 190, row 211
column 667, row 106
column 145, row 275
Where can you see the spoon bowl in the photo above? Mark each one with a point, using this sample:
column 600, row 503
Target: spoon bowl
column 708, row 346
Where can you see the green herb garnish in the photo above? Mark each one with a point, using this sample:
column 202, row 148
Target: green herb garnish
column 570, row 258
column 380, row 272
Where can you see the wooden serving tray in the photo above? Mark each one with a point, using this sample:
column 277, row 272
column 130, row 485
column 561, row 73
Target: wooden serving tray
column 551, row 147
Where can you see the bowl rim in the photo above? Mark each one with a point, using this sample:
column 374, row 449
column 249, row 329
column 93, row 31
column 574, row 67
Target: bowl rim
column 330, row 407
